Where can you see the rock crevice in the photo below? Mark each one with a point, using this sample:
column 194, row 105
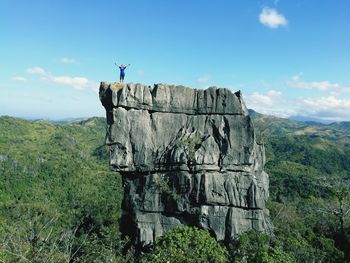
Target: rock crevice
column 187, row 157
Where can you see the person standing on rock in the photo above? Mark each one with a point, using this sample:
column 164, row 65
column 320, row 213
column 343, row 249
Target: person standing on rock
column 122, row 68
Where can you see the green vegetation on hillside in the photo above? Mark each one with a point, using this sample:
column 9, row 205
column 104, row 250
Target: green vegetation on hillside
column 187, row 244
column 308, row 165
column 59, row 202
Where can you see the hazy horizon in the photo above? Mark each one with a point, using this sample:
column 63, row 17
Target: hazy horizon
column 298, row 118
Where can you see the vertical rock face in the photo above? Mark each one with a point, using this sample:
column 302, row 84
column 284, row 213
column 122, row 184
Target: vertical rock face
column 187, row 157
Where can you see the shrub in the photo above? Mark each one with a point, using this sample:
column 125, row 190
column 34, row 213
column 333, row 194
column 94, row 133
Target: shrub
column 187, row 244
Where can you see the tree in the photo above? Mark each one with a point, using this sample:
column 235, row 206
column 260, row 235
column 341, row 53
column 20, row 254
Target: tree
column 339, row 205
column 257, row 247
column 330, row 216
column 295, row 233
column 187, row 244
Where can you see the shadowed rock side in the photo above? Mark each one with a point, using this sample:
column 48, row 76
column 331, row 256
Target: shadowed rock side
column 187, row 157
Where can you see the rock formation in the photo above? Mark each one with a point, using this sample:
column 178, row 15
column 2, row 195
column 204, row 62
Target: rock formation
column 187, row 157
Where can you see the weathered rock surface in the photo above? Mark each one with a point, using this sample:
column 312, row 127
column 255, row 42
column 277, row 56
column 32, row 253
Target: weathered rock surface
column 187, row 157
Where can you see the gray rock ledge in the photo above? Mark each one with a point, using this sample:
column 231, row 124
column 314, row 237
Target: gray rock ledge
column 187, row 157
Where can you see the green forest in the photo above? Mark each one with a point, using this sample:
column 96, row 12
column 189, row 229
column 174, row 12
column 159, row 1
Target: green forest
column 59, row 202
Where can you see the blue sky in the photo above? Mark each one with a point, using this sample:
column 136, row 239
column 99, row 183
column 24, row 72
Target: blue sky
column 287, row 57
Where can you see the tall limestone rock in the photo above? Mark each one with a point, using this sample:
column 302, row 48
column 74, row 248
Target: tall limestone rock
column 187, row 157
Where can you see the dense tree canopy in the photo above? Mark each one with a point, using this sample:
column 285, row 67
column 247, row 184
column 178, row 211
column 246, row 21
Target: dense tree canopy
column 187, row 244
column 60, row 203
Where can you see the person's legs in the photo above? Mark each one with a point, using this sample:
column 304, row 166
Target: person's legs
column 122, row 78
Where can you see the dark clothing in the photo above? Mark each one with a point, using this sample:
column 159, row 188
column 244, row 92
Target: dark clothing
column 122, row 73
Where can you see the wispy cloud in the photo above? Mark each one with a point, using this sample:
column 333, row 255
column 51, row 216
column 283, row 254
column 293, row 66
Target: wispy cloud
column 331, row 102
column 68, row 61
column 19, row 78
column 271, row 18
column 79, row 83
column 75, row 82
column 36, row 70
column 203, row 79
column 336, row 88
column 270, row 102
column 259, row 100
column 328, row 108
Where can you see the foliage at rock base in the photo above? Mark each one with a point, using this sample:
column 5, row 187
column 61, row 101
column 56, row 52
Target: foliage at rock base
column 187, row 244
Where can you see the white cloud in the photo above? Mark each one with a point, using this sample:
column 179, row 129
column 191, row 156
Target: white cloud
column 203, row 79
column 19, row 78
column 262, row 100
column 79, row 83
column 75, row 82
column 333, row 105
column 271, row 18
column 68, row 61
column 36, row 70
column 271, row 102
column 274, row 93
column 328, row 108
column 296, row 82
column 266, row 103
column 259, row 99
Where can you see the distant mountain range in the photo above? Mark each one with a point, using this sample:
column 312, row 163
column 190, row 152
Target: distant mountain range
column 300, row 121
column 308, row 119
